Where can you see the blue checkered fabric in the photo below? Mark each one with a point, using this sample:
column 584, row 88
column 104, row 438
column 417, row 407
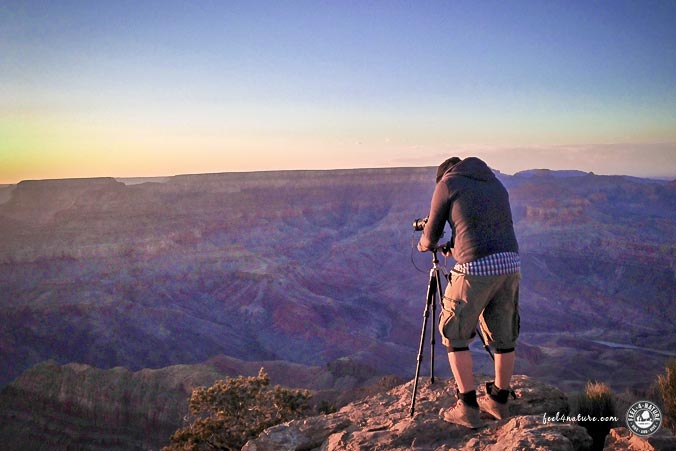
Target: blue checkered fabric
column 491, row 265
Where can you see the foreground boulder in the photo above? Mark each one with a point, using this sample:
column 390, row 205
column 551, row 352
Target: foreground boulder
column 383, row 422
column 620, row 439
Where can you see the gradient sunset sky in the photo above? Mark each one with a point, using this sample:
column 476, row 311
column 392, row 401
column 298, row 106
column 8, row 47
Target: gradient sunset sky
column 145, row 88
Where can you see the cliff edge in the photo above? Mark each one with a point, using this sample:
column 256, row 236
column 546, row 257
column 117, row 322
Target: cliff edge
column 382, row 422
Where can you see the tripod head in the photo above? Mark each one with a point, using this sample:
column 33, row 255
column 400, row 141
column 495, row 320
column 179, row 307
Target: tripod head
column 445, row 248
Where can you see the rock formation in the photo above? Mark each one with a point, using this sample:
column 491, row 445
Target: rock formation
column 382, row 422
column 621, row 439
column 53, row 407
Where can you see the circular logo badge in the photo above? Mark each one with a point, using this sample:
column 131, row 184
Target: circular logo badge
column 644, row 418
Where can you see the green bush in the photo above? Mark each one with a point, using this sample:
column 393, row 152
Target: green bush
column 596, row 402
column 666, row 389
column 235, row 410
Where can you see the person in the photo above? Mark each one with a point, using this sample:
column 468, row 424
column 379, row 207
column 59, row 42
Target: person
column 483, row 285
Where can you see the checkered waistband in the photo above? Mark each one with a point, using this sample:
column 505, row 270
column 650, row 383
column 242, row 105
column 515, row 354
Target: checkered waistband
column 491, row 265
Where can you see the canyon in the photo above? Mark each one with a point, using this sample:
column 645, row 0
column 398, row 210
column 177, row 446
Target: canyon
column 137, row 277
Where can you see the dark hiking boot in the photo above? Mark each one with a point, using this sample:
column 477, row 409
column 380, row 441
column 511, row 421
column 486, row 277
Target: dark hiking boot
column 463, row 415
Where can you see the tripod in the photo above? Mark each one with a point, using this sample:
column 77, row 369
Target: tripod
column 434, row 290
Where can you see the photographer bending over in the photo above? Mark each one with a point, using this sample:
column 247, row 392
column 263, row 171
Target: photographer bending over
column 483, row 285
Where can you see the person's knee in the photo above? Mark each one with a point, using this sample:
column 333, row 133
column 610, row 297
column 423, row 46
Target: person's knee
column 452, row 349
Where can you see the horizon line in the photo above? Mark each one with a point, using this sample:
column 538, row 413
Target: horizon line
column 365, row 168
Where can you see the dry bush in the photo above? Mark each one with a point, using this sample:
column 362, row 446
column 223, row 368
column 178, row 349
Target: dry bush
column 666, row 389
column 235, row 410
column 596, row 401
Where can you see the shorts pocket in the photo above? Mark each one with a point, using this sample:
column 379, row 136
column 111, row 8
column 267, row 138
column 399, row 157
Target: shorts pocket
column 516, row 324
column 516, row 321
column 449, row 319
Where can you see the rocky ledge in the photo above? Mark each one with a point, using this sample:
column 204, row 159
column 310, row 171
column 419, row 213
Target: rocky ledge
column 383, row 422
column 621, row 439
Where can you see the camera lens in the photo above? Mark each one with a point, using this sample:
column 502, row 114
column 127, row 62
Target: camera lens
column 419, row 224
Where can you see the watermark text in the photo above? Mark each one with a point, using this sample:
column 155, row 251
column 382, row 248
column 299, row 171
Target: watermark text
column 565, row 418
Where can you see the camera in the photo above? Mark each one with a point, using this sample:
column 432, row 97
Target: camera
column 419, row 223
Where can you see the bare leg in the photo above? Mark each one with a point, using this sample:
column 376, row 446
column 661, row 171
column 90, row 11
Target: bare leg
column 466, row 411
column 504, row 368
column 461, row 366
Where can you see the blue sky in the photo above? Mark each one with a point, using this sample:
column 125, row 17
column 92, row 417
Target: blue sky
column 161, row 88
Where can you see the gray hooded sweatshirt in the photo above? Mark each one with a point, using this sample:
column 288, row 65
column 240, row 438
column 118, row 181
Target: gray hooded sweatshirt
column 476, row 205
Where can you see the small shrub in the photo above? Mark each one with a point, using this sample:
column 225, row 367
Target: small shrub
column 666, row 389
column 235, row 410
column 597, row 401
column 326, row 408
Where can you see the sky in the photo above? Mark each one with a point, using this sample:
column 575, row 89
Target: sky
column 157, row 88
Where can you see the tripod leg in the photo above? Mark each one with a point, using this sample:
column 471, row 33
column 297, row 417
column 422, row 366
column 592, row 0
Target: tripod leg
column 433, row 329
column 431, row 287
column 483, row 342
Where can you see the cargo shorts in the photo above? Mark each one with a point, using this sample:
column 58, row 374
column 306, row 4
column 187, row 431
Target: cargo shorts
column 491, row 301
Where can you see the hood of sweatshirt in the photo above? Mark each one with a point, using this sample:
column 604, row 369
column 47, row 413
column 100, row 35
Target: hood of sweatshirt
column 473, row 168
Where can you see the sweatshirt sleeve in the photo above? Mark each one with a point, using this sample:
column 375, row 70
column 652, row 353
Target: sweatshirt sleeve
column 434, row 229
